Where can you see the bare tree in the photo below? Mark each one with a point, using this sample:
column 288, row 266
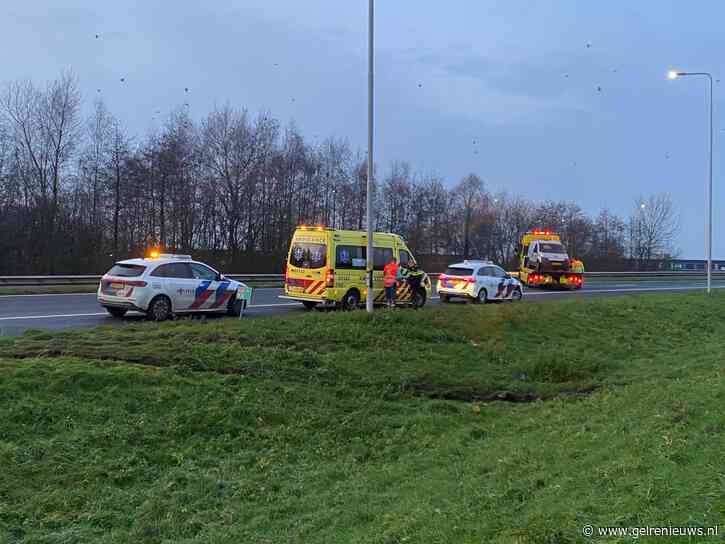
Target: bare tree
column 468, row 194
column 46, row 126
column 94, row 160
column 119, row 151
column 608, row 236
column 653, row 227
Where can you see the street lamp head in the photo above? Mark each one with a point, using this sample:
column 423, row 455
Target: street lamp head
column 672, row 74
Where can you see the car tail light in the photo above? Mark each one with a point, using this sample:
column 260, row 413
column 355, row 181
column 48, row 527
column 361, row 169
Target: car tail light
column 330, row 278
column 442, row 276
column 135, row 283
column 470, row 279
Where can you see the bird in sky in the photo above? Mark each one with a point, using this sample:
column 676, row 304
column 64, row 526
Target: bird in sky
column 123, row 79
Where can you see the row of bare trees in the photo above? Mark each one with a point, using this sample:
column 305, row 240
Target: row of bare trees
column 77, row 193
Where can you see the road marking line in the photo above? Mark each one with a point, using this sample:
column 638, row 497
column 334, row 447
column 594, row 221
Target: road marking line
column 49, row 295
column 50, row 316
column 94, row 293
column 636, row 290
column 274, row 305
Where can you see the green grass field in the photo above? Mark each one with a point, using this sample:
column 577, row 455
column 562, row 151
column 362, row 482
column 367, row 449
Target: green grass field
column 49, row 289
column 468, row 424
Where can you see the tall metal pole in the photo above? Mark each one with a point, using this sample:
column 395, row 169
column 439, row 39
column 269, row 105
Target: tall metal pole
column 709, row 202
column 708, row 191
column 370, row 256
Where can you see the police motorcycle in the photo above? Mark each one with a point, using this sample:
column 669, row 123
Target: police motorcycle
column 411, row 290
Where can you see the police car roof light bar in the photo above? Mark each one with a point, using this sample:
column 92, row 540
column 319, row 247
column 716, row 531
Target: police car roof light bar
column 174, row 256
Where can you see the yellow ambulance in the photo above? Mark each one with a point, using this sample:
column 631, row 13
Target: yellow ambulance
column 327, row 266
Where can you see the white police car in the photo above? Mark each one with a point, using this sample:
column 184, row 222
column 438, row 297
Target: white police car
column 479, row 281
column 164, row 285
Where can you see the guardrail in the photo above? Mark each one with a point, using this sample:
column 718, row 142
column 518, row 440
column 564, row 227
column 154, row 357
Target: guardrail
column 56, row 280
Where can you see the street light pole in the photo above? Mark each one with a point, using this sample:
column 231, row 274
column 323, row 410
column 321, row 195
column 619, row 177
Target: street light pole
column 370, row 256
column 673, row 74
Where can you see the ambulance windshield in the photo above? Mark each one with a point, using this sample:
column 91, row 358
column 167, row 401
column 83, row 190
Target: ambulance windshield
column 308, row 255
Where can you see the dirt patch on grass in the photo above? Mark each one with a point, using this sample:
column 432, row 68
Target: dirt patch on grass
column 431, row 391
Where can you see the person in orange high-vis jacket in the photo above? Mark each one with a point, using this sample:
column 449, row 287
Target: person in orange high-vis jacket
column 390, row 280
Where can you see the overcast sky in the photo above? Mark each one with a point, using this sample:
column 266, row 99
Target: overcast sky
column 565, row 99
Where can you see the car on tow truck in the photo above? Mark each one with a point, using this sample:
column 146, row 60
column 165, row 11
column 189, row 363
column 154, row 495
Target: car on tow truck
column 478, row 281
column 164, row 285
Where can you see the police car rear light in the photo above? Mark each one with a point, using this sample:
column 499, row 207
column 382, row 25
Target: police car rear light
column 442, row 276
column 135, row 283
column 470, row 279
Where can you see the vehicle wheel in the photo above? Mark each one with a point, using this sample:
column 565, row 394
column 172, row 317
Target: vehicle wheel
column 159, row 309
column 482, row 297
column 418, row 299
column 309, row 305
column 116, row 312
column 445, row 298
column 517, row 295
column 351, row 300
column 234, row 307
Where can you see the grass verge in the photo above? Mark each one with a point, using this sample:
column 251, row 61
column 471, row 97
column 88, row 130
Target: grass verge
column 344, row 428
column 48, row 289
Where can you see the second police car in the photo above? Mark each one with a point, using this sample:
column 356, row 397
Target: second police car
column 479, row 281
column 164, row 285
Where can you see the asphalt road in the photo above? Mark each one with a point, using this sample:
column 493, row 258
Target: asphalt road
column 22, row 312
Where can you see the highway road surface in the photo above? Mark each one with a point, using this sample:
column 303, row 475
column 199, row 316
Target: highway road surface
column 22, row 312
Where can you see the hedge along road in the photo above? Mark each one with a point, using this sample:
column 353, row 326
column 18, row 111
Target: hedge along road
column 19, row 313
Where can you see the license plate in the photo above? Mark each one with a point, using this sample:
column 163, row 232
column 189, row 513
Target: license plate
column 296, row 289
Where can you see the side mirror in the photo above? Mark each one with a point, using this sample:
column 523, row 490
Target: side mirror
column 219, row 277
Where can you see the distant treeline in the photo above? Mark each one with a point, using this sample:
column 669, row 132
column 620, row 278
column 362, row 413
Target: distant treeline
column 77, row 194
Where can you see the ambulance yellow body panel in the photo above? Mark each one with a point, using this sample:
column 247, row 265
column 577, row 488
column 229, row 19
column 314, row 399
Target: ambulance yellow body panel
column 328, row 266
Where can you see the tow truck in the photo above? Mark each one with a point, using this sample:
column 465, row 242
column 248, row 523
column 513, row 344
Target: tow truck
column 544, row 262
